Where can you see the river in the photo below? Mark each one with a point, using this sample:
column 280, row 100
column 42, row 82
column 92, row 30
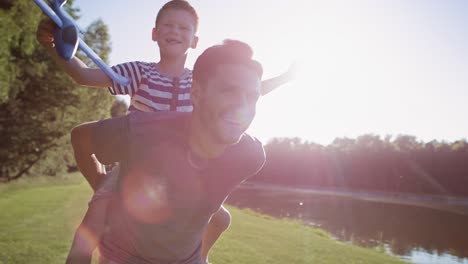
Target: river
column 414, row 229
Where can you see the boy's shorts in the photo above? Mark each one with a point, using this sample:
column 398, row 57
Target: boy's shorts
column 108, row 185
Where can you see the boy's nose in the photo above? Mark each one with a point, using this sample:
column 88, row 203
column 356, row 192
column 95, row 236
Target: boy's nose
column 176, row 28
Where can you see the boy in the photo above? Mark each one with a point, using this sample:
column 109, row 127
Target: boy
column 162, row 86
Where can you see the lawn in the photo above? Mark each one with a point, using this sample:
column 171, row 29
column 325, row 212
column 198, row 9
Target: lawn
column 38, row 218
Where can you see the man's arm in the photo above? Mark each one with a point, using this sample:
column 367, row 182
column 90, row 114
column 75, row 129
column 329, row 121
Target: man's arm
column 275, row 82
column 75, row 68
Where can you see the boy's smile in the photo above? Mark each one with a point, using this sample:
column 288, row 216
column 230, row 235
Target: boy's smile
column 173, row 41
column 175, row 32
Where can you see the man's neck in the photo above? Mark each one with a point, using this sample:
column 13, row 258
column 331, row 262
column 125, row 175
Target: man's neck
column 201, row 143
column 172, row 66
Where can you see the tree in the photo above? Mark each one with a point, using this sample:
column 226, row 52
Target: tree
column 39, row 104
column 369, row 163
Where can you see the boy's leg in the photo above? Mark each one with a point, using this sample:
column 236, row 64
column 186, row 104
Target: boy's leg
column 91, row 229
column 89, row 166
column 219, row 223
column 89, row 233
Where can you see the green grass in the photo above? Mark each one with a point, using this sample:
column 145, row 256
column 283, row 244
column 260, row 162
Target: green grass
column 255, row 238
column 39, row 216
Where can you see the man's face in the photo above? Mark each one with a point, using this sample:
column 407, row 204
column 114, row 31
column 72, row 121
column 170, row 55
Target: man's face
column 175, row 32
column 225, row 103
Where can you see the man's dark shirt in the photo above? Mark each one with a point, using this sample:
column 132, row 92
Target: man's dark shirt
column 165, row 194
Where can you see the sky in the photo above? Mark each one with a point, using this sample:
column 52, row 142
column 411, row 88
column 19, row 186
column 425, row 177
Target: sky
column 386, row 67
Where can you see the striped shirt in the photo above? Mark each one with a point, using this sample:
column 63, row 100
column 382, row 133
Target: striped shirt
column 150, row 91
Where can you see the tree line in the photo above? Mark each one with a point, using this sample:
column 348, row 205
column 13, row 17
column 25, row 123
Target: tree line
column 369, row 163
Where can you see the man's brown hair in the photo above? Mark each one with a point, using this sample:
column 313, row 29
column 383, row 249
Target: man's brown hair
column 229, row 52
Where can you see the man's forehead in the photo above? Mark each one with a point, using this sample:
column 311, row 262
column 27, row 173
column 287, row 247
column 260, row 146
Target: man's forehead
column 237, row 74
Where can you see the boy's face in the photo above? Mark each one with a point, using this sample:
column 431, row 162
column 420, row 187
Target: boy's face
column 175, row 33
column 226, row 103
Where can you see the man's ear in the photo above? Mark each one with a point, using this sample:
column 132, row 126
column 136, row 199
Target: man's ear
column 154, row 34
column 194, row 42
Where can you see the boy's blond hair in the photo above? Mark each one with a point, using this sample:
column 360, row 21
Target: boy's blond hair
column 178, row 5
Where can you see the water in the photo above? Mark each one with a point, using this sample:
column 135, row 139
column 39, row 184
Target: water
column 416, row 234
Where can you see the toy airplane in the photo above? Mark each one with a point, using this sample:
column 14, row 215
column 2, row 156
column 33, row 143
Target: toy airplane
column 67, row 38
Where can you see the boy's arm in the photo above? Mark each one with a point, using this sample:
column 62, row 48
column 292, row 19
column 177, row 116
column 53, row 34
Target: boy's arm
column 98, row 142
column 90, row 167
column 275, row 82
column 75, row 68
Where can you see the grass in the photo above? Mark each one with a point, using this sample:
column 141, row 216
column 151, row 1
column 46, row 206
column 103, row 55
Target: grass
column 255, row 238
column 39, row 216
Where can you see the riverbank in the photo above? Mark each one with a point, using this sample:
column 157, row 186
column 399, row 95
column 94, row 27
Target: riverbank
column 452, row 204
column 38, row 218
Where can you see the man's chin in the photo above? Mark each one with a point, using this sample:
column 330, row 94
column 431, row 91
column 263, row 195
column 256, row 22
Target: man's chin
column 229, row 138
column 232, row 132
column 225, row 133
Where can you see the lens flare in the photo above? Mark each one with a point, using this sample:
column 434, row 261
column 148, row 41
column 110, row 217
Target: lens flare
column 145, row 197
column 85, row 239
column 243, row 118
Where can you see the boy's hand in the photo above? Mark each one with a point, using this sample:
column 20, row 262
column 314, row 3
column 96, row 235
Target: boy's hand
column 45, row 33
column 75, row 68
column 290, row 74
column 275, row 82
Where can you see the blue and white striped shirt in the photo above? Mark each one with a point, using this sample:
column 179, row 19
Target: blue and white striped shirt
column 150, row 91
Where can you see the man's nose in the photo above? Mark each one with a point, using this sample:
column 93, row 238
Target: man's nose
column 241, row 100
column 243, row 114
column 243, row 105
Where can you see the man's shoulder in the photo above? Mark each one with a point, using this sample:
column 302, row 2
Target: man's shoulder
column 137, row 122
column 159, row 116
column 248, row 141
column 249, row 152
column 162, row 120
column 159, row 125
column 252, row 145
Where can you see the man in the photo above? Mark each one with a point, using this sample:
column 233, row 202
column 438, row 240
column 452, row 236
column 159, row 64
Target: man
column 178, row 168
